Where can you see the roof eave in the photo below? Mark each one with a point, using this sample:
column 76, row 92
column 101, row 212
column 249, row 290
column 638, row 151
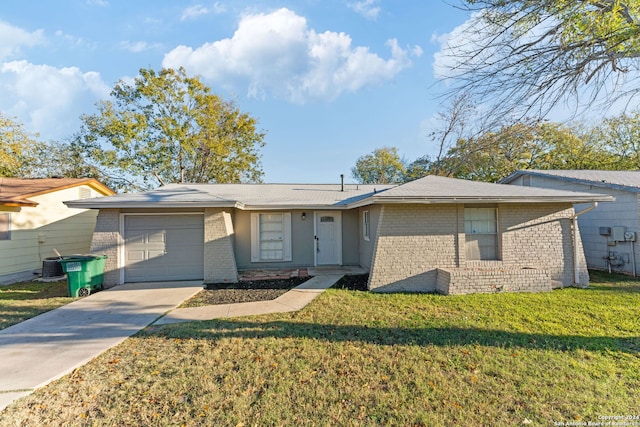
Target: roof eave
column 594, row 183
column 93, row 183
column 455, row 200
column 85, row 204
column 18, row 203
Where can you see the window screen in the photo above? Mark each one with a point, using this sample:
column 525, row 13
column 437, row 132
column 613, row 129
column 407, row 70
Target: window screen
column 481, row 231
column 271, row 237
column 366, row 227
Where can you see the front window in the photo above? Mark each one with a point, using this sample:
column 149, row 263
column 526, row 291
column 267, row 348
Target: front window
column 366, row 227
column 481, row 232
column 271, row 237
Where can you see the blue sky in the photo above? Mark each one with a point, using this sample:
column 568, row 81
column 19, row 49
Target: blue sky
column 327, row 80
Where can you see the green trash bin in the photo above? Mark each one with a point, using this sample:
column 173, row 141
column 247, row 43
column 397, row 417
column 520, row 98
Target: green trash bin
column 85, row 273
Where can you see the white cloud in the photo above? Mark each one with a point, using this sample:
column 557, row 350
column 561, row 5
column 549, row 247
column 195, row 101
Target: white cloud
column 49, row 100
column 366, row 8
column 12, row 39
column 139, row 46
column 193, row 12
column 278, row 54
column 461, row 38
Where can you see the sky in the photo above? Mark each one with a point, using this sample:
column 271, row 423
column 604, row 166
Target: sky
column 327, row 80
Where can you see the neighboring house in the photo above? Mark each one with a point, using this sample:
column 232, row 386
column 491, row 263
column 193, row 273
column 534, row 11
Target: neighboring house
column 34, row 221
column 432, row 234
column 609, row 233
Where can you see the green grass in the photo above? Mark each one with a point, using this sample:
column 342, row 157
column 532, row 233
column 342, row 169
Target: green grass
column 21, row 301
column 360, row 359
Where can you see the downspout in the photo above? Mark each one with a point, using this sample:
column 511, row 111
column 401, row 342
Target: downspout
column 574, row 218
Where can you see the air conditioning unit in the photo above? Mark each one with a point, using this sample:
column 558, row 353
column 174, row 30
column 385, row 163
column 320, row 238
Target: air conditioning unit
column 630, row 236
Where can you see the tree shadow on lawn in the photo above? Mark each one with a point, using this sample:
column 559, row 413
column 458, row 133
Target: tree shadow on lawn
column 439, row 336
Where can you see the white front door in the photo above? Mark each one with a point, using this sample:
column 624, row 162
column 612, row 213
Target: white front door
column 328, row 237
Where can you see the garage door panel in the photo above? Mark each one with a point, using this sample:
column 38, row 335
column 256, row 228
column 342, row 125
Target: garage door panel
column 164, row 247
column 157, row 237
column 137, row 238
column 134, row 256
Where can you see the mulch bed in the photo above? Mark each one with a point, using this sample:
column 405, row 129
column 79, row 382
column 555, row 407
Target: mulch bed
column 245, row 291
column 263, row 290
column 356, row 282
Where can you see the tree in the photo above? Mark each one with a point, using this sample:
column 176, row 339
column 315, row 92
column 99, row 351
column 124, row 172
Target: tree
column 383, row 166
column 521, row 55
column 621, row 136
column 528, row 144
column 19, row 150
column 168, row 127
column 420, row 167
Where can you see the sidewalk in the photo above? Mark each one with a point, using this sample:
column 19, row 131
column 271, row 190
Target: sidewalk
column 293, row 300
column 46, row 347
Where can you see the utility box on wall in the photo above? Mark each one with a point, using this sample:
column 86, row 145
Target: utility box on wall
column 617, row 234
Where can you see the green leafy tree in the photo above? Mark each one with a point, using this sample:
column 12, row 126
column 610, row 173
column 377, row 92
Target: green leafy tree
column 19, row 150
column 167, row 127
column 383, row 166
column 420, row 167
column 529, row 55
column 531, row 144
column 621, row 136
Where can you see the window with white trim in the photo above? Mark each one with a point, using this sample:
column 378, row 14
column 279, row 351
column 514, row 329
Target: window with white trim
column 481, row 233
column 270, row 237
column 366, row 225
column 5, row 226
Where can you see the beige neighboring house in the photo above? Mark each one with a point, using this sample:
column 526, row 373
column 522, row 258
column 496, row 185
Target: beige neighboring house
column 433, row 234
column 34, row 220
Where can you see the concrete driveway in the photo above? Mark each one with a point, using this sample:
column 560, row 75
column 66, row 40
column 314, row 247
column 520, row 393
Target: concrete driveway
column 44, row 348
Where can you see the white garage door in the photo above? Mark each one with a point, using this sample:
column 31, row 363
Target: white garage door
column 163, row 247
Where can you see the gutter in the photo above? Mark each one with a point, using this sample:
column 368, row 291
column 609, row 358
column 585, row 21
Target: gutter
column 574, row 218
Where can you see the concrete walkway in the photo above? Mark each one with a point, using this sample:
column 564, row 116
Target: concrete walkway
column 293, row 300
column 46, row 347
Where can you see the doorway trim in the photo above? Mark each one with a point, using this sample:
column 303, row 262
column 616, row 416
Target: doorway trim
column 317, row 216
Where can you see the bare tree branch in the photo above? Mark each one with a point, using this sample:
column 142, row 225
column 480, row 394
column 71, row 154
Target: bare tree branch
column 524, row 57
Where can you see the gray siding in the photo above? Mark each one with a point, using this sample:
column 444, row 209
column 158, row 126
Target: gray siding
column 350, row 237
column 302, row 243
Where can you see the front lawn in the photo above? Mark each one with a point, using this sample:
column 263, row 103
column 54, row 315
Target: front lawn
column 21, row 301
column 357, row 358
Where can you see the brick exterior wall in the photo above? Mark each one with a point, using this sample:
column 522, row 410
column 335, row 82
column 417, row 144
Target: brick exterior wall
column 411, row 242
column 541, row 236
column 219, row 259
column 468, row 281
column 105, row 242
column 414, row 241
